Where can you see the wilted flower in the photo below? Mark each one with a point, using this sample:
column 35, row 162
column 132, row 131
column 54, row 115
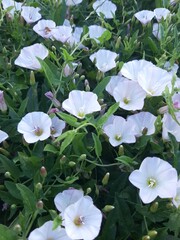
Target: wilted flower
column 95, row 32
column 44, row 28
column 154, row 178
column 57, row 126
column 118, row 131
column 3, row 136
column 81, row 103
column 143, row 121
column 105, row 7
column 46, row 232
column 35, row 126
column 30, row 14
column 62, row 33
column 3, row 105
column 82, row 220
column 161, row 13
column 144, row 16
column 104, row 59
column 28, row 56
column 54, row 100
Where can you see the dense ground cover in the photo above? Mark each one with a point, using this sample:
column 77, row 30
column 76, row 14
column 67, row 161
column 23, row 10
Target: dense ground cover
column 89, row 119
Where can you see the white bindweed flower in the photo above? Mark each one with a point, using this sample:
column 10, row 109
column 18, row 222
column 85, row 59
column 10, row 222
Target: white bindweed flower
column 176, row 199
column 82, row 220
column 44, row 28
column 144, row 16
column 114, row 80
column 62, row 33
column 28, row 56
column 35, row 126
column 81, row 103
column 3, row 105
column 156, row 31
column 16, row 6
column 131, row 69
column 3, row 136
column 132, row 97
column 57, row 126
column 176, row 100
column 104, row 60
column 118, row 131
column 46, row 232
column 143, row 123
column 73, row 2
column 76, row 37
column 95, row 32
column 30, row 14
column 154, row 178
column 161, row 13
column 105, row 7
column 154, row 80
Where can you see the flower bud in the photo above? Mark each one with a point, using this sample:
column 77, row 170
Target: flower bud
column 17, row 228
column 146, row 237
column 7, row 174
column 118, row 42
column 99, row 76
column 4, row 152
column 38, row 186
column 108, row 208
column 3, row 105
column 71, row 164
column 9, row 65
column 105, row 179
column 43, row 171
column 121, row 150
column 32, row 78
column 82, row 157
column 63, row 159
column 152, row 233
column 88, row 190
column 82, row 77
column 13, row 206
column 40, row 204
column 154, row 207
column 53, row 48
column 169, row 205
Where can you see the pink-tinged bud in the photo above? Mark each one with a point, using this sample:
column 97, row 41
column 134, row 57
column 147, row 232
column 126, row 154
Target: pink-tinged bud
column 53, row 110
column 3, row 106
column 53, row 99
column 49, row 95
column 43, row 171
column 40, row 204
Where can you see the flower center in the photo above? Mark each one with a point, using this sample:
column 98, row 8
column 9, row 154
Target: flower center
column 151, row 182
column 118, row 137
column 53, row 130
column 38, row 131
column 79, row 221
column 47, row 30
column 81, row 113
column 126, row 100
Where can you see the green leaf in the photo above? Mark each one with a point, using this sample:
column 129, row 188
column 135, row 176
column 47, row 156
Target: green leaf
column 105, row 36
column 152, row 45
column 72, row 121
column 28, row 198
column 66, row 56
column 7, row 234
column 101, row 86
column 57, row 222
column 97, row 145
column 23, row 106
column 60, row 13
column 50, row 148
column 67, row 140
column 11, row 187
column 32, row 94
column 125, row 160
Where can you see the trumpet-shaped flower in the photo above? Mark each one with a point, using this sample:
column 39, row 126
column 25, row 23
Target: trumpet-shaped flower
column 143, row 122
column 118, row 131
column 161, row 13
column 105, row 7
column 16, row 6
column 114, row 80
column 82, row 220
column 28, row 56
column 62, row 33
column 154, row 80
column 72, row 2
column 3, row 136
column 46, row 232
column 154, row 178
column 95, row 32
column 131, row 69
column 57, row 126
column 104, row 59
column 35, row 126
column 81, row 103
column 44, row 28
column 144, row 16
column 30, row 14
column 131, row 98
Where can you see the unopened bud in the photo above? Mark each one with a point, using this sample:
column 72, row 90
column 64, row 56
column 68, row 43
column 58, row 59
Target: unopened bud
column 32, row 78
column 101, row 101
column 7, row 174
column 53, row 48
column 9, row 65
column 105, row 179
column 99, row 76
column 71, row 164
column 121, row 150
column 169, row 205
column 88, row 190
column 82, row 157
column 152, row 233
column 40, row 204
column 82, row 77
column 118, row 42
column 76, row 75
column 5, row 144
column 4, row 50
column 146, row 237
column 13, row 206
column 17, row 228
column 43, row 171
column 63, row 159
column 38, row 186
column 154, row 207
column 4, row 152
column 108, row 208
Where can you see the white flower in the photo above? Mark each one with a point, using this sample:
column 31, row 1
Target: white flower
column 30, row 14
column 154, row 178
column 143, row 121
column 161, row 13
column 62, row 33
column 46, row 232
column 107, row 8
column 76, row 37
column 35, row 126
column 69, row 68
column 82, row 220
column 131, row 98
column 131, row 69
column 3, row 105
column 104, row 59
column 44, row 28
column 171, row 68
column 114, row 80
column 176, row 199
column 154, row 80
column 118, row 131
column 156, row 31
column 144, row 16
column 10, row 3
column 57, row 126
column 81, row 103
column 3, row 136
column 28, row 56
column 72, row 2
column 176, row 100
column 95, row 32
